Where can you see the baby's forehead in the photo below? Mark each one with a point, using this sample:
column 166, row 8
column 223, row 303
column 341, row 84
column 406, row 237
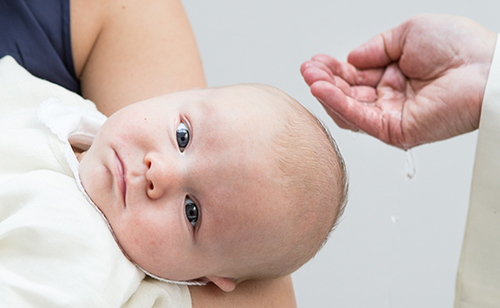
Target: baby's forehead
column 244, row 103
column 259, row 95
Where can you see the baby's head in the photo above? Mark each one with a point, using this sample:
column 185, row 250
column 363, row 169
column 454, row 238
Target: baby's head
column 223, row 184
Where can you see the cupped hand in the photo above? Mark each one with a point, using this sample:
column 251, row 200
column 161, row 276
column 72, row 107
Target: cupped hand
column 420, row 82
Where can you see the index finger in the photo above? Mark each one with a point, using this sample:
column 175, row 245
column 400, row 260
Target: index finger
column 349, row 73
column 358, row 115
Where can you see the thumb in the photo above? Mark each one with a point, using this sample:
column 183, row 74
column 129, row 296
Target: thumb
column 381, row 50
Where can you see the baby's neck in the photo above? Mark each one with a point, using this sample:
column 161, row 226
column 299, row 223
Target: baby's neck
column 79, row 153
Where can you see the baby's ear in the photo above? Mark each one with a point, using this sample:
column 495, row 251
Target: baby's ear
column 225, row 284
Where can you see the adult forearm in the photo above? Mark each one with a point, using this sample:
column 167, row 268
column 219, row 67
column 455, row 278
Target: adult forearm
column 131, row 50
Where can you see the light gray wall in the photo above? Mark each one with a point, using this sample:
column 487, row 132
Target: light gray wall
column 400, row 239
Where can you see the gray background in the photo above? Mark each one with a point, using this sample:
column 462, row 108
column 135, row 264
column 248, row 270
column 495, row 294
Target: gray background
column 399, row 241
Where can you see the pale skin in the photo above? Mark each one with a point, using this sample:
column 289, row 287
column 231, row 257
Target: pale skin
column 195, row 205
column 118, row 65
column 420, row 82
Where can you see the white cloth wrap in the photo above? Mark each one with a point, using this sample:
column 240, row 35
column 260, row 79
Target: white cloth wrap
column 478, row 280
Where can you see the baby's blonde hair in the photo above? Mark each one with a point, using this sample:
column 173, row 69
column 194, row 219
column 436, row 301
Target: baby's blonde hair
column 314, row 181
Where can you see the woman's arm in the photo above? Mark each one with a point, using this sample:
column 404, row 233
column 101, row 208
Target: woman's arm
column 277, row 293
column 129, row 50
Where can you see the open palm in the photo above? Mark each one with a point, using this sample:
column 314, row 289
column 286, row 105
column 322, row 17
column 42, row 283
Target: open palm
column 420, row 82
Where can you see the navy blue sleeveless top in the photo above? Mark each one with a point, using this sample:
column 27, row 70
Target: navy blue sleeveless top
column 37, row 34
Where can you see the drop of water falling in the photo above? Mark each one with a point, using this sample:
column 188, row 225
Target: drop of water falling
column 394, row 219
column 410, row 165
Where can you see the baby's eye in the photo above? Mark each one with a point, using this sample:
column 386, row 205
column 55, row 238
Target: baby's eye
column 182, row 136
column 191, row 211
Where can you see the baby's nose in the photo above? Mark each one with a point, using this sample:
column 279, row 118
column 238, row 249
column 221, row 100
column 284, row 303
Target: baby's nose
column 161, row 175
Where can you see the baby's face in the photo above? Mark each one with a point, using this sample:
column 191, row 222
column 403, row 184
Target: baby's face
column 186, row 181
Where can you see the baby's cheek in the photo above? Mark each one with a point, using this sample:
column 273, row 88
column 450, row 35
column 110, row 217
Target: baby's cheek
column 137, row 234
column 142, row 247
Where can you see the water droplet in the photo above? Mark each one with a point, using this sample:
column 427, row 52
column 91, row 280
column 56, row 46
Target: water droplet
column 410, row 165
column 395, row 219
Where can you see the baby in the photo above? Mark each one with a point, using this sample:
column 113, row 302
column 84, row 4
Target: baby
column 223, row 184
